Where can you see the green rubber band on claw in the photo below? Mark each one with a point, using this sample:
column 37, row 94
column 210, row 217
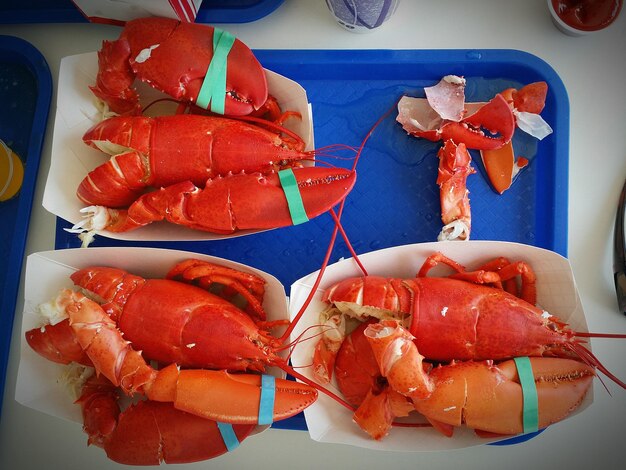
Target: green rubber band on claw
column 294, row 198
column 268, row 395
column 530, row 412
column 213, row 90
column 228, row 436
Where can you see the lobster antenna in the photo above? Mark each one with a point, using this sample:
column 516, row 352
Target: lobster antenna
column 333, row 237
column 583, row 334
column 590, row 359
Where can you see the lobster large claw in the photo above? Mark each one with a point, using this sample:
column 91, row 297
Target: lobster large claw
column 226, row 204
column 488, row 397
column 173, row 57
column 485, row 126
column 489, row 128
column 226, row 397
column 149, row 432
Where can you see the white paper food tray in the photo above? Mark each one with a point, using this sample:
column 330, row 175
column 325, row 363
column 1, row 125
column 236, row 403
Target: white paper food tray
column 38, row 380
column 328, row 421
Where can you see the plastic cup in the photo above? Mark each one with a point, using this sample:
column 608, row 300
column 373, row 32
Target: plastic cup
column 585, row 17
column 362, row 16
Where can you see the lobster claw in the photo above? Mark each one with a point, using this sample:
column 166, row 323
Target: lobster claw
column 496, row 117
column 236, row 202
column 230, row 398
column 488, row 397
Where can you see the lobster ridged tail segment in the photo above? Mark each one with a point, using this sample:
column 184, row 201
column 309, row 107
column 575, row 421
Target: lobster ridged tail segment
column 226, row 204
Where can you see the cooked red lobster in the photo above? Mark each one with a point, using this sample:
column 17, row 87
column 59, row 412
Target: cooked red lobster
column 179, row 59
column 207, row 173
column 161, row 151
column 211, row 351
column 471, row 323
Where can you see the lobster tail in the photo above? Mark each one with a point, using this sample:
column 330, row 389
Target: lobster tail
column 149, row 433
column 112, row 183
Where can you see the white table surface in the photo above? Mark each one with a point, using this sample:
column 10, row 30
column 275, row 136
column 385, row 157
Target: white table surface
column 593, row 69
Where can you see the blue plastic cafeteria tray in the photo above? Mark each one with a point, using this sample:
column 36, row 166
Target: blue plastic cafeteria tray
column 25, row 93
column 64, row 11
column 396, row 199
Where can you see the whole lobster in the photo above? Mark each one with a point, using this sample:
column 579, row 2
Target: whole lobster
column 488, row 127
column 177, row 58
column 481, row 318
column 211, row 348
column 161, row 151
column 150, row 432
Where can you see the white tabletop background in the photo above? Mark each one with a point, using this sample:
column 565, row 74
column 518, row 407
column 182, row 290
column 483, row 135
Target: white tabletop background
column 593, row 69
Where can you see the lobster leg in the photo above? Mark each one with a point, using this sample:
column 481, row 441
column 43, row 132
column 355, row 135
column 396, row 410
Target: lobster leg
column 249, row 286
column 496, row 272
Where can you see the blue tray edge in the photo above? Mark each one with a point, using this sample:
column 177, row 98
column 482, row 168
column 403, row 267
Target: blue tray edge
column 37, row 64
column 541, row 69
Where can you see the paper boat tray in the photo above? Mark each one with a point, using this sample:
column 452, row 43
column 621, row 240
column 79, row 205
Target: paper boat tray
column 38, row 380
column 328, row 421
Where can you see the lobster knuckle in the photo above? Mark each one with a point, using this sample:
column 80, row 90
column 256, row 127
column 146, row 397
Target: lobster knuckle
column 398, row 359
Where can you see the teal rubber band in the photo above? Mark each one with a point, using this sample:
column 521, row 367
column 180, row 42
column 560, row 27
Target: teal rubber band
column 530, row 413
column 213, row 89
column 228, row 436
column 266, row 405
column 294, row 198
